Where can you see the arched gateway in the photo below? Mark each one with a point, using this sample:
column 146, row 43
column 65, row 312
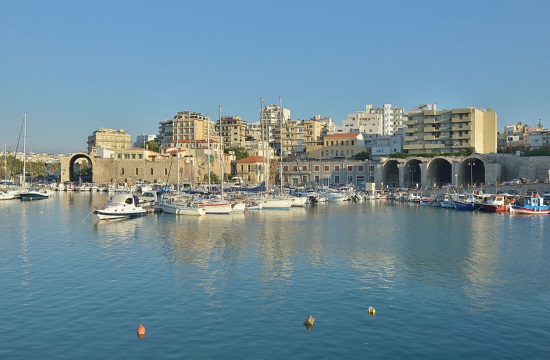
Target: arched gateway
column 68, row 165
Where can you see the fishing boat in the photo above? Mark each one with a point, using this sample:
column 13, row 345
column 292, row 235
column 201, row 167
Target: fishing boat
column 496, row 203
column 532, row 205
column 121, row 206
column 467, row 202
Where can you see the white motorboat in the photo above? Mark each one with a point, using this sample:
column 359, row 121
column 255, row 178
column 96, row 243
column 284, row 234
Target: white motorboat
column 121, row 206
column 182, row 209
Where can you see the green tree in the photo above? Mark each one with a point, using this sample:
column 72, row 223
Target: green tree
column 152, row 145
column 363, row 155
column 240, row 153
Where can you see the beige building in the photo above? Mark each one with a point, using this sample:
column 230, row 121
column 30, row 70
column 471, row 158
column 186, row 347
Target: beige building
column 109, row 139
column 186, row 125
column 251, row 169
column 448, row 131
column 339, row 146
column 233, row 131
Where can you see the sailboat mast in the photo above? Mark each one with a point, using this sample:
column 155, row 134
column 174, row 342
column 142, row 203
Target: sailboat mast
column 264, row 149
column 208, row 150
column 25, row 150
column 221, row 148
column 281, row 144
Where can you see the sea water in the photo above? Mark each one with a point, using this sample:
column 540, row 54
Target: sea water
column 445, row 284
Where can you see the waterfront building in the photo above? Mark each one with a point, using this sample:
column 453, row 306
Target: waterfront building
column 270, row 120
column 110, row 139
column 142, row 139
column 385, row 145
column 446, row 131
column 186, row 125
column 251, row 169
column 233, row 130
column 374, row 121
column 339, row 146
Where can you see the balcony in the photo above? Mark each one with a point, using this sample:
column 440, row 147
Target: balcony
column 429, row 129
column 434, row 146
column 410, row 130
column 410, row 122
column 461, row 137
column 429, row 137
column 462, row 128
column 413, row 146
column 411, row 138
column 429, row 121
column 464, row 119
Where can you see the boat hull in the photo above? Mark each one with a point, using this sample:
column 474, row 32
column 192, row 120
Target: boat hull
column 529, row 210
column 111, row 215
column 182, row 210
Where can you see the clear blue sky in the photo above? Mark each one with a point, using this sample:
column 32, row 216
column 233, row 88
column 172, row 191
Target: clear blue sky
column 76, row 66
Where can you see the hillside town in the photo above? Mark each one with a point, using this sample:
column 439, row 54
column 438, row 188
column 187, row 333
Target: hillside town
column 311, row 151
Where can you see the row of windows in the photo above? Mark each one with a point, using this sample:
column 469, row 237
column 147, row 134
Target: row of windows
column 326, row 168
column 132, row 156
column 340, row 143
column 336, row 153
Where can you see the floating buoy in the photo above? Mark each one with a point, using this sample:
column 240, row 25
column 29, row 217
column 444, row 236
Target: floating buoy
column 372, row 311
column 141, row 331
column 106, row 219
column 41, row 213
column 309, row 321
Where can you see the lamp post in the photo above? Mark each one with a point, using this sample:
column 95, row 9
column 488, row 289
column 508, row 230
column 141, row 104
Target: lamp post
column 456, row 180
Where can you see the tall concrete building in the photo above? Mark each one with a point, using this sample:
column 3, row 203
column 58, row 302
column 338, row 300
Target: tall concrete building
column 447, row 131
column 374, row 121
column 142, row 139
column 109, row 139
column 186, row 125
column 233, row 131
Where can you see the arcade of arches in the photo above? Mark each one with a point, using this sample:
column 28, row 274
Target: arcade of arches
column 434, row 172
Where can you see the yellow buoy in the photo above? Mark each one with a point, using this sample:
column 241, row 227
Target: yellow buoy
column 309, row 321
column 141, row 331
column 41, row 213
column 372, row 311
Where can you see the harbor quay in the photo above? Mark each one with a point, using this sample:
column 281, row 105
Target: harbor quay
column 476, row 170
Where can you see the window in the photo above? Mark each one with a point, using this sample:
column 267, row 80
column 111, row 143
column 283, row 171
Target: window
column 336, row 167
column 295, row 168
column 350, row 167
column 360, row 168
column 165, row 171
column 337, row 179
column 151, row 171
column 137, row 171
column 327, row 168
column 133, row 156
column 316, row 168
column 285, row 168
column 304, row 168
column 122, row 171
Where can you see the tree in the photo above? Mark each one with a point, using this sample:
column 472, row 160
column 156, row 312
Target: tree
column 363, row 155
column 240, row 153
column 153, row 146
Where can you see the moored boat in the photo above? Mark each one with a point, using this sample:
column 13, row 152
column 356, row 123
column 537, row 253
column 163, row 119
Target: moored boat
column 532, row 205
column 121, row 206
column 496, row 203
column 35, row 194
column 182, row 209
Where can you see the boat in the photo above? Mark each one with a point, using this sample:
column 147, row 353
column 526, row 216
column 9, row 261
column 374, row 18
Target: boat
column 496, row 203
column 532, row 205
column 183, row 209
column 35, row 194
column 121, row 206
column 6, row 195
column 467, row 202
column 215, row 206
column 447, row 201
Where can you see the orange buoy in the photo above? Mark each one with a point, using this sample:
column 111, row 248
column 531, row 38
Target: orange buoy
column 141, row 331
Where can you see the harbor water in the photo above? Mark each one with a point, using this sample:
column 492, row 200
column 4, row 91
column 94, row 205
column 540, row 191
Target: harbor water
column 445, row 284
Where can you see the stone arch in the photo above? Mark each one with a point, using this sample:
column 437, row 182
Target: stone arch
column 412, row 173
column 439, row 172
column 69, row 172
column 472, row 171
column 390, row 173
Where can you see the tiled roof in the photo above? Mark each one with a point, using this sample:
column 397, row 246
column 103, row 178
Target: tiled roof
column 252, row 159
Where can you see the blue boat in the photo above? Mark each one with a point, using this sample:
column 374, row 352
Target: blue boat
column 467, row 202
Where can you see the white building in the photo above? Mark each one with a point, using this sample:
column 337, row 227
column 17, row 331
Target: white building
column 374, row 121
column 141, row 139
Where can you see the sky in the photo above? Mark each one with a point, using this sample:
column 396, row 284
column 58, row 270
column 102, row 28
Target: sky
column 76, row 66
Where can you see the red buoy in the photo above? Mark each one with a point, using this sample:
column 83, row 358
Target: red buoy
column 141, row 331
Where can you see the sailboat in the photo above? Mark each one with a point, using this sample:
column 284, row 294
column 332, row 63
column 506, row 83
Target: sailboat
column 30, row 194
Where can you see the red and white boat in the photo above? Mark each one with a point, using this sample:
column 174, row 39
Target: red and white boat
column 497, row 203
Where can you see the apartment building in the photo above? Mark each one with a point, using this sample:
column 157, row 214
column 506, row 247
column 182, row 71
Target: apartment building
column 110, row 139
column 233, row 130
column 339, row 146
column 186, row 126
column 447, row 131
column 374, row 121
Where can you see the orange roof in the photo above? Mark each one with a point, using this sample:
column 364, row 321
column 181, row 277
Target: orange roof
column 342, row 136
column 252, row 159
